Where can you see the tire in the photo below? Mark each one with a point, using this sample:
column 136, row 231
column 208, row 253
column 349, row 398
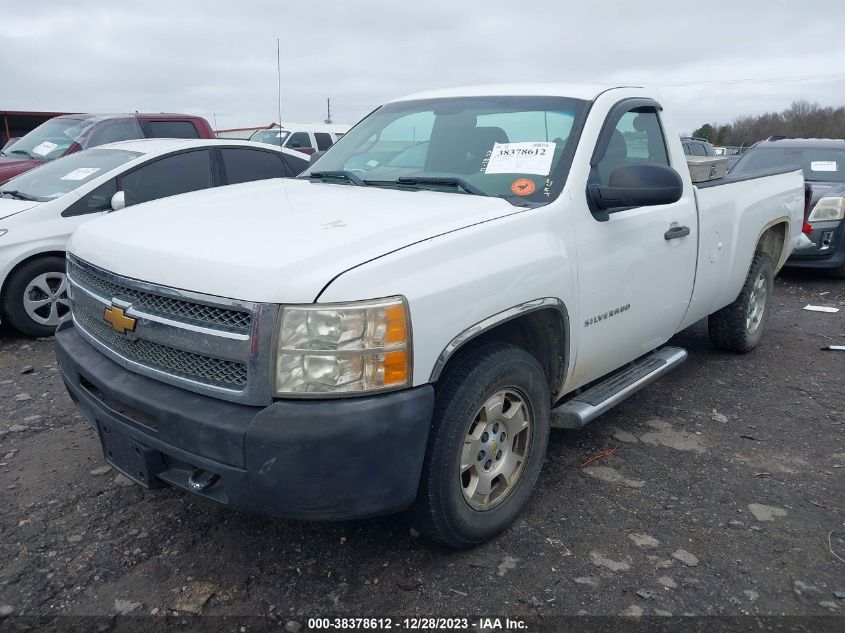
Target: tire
column 35, row 298
column 739, row 326
column 838, row 273
column 487, row 383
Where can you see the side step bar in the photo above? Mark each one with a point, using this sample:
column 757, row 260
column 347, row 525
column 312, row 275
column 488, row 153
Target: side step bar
column 590, row 404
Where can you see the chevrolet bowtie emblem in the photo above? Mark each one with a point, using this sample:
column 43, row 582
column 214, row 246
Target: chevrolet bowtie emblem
column 116, row 317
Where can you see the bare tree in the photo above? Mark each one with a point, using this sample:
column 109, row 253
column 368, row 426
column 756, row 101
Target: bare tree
column 802, row 119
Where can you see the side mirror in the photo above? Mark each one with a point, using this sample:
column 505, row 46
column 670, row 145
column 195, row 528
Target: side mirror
column 118, row 201
column 313, row 158
column 642, row 185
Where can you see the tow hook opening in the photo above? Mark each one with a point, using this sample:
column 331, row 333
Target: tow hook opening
column 201, row 480
column 827, row 239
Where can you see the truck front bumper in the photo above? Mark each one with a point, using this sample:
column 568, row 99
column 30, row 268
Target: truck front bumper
column 299, row 459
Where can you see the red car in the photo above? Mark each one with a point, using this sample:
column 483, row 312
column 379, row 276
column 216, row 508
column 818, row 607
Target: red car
column 70, row 133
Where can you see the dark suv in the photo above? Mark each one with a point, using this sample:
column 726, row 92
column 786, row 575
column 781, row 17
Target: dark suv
column 823, row 163
column 70, row 133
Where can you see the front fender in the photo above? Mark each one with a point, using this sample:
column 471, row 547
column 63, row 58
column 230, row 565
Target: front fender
column 469, row 279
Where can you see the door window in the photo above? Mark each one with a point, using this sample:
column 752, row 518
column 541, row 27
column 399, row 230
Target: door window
column 294, row 165
column 300, row 141
column 272, row 137
column 324, row 140
column 180, row 173
column 246, row 165
column 636, row 138
column 96, row 201
column 171, row 129
column 111, row 131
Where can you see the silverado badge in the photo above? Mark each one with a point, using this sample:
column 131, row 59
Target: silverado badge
column 610, row 313
column 116, row 317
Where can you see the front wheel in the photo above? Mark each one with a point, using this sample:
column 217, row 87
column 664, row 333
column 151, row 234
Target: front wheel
column 488, row 440
column 738, row 327
column 35, row 299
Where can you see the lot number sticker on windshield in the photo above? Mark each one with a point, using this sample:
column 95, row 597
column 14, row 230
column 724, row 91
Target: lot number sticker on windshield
column 80, row 174
column 521, row 158
column 823, row 165
column 42, row 149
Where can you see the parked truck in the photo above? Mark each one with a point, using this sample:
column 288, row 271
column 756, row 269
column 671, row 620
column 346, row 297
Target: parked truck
column 399, row 328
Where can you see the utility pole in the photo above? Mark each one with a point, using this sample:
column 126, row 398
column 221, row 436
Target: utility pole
column 328, row 110
column 279, row 77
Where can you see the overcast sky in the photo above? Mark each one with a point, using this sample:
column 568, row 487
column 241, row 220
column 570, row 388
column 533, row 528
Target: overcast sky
column 219, row 58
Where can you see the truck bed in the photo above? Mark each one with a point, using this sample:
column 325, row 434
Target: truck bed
column 733, row 212
column 753, row 175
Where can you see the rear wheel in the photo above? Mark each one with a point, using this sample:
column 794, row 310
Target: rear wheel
column 738, row 327
column 35, row 299
column 488, row 439
column 839, row 273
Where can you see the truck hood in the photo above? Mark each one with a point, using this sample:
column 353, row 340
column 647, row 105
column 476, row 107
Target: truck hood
column 9, row 207
column 11, row 166
column 275, row 241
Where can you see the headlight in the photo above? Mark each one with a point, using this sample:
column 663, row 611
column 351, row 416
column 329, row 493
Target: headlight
column 344, row 348
column 828, row 209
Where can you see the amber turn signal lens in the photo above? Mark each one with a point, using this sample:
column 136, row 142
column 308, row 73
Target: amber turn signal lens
column 396, row 330
column 396, row 367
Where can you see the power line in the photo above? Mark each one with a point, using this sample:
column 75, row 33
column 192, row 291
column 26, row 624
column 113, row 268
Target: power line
column 729, row 82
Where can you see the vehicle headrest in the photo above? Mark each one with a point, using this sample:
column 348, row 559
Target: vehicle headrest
column 481, row 139
column 641, row 123
column 617, row 149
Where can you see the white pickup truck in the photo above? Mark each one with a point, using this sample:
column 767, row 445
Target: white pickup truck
column 399, row 328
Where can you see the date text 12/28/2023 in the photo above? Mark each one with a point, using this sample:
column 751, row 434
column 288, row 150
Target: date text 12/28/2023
column 417, row 624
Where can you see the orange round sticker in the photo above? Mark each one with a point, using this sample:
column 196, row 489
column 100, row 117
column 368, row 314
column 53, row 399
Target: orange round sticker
column 523, row 186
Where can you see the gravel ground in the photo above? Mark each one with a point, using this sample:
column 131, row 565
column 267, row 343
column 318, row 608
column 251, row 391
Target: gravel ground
column 724, row 496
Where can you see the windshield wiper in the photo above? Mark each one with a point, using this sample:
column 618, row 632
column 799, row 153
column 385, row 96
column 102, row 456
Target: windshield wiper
column 441, row 180
column 20, row 151
column 519, row 202
column 339, row 173
column 18, row 195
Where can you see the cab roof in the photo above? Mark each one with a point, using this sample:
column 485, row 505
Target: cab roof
column 587, row 92
column 833, row 143
column 81, row 116
column 150, row 145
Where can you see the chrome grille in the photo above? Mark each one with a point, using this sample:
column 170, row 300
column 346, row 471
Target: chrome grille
column 213, row 371
column 199, row 342
column 165, row 306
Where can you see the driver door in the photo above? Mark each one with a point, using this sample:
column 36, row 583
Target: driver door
column 634, row 281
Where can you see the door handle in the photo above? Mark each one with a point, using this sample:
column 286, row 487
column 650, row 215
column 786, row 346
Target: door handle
column 676, row 232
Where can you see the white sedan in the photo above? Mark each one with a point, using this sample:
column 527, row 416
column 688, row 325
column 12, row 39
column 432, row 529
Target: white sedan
column 40, row 209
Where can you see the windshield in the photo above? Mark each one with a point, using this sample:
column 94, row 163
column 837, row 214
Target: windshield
column 49, row 140
column 66, row 174
column 818, row 163
column 517, row 148
column 273, row 137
